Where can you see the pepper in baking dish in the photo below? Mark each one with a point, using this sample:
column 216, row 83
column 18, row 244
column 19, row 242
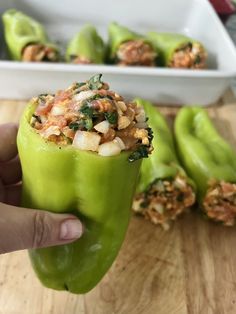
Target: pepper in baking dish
column 81, row 151
column 210, row 161
column 87, row 47
column 128, row 48
column 26, row 38
column 164, row 190
column 178, row 51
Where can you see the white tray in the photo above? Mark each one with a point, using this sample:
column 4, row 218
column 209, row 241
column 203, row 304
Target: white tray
column 63, row 19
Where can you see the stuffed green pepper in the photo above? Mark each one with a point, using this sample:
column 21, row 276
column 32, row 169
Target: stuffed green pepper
column 210, row 161
column 86, row 47
column 178, row 51
column 26, row 38
column 128, row 48
column 81, row 151
column 164, row 191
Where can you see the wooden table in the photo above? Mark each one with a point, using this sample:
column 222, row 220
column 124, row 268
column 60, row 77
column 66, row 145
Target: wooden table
column 189, row 269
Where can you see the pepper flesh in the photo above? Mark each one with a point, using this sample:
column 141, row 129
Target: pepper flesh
column 21, row 30
column 86, row 47
column 170, row 45
column 162, row 170
column 97, row 189
column 207, row 157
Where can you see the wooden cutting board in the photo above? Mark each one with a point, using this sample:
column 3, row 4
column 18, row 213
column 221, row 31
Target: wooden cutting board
column 189, row 269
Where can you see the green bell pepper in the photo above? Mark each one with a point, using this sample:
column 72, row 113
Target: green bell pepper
column 162, row 166
column 87, row 45
column 118, row 35
column 207, row 157
column 99, row 190
column 167, row 44
column 20, row 31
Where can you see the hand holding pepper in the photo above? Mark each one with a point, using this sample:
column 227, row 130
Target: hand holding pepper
column 23, row 228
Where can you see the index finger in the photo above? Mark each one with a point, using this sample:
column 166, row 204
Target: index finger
column 8, row 148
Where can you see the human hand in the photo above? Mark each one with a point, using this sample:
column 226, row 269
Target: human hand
column 23, row 228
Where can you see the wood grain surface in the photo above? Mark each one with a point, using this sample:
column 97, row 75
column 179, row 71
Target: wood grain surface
column 189, row 269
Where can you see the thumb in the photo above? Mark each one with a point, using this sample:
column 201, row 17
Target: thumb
column 23, row 228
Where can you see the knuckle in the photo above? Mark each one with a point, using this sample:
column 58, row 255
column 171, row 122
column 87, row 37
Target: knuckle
column 41, row 234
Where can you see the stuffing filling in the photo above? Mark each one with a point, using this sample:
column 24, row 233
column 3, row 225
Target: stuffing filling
column 91, row 117
column 220, row 202
column 190, row 56
column 37, row 53
column 164, row 200
column 136, row 52
column 80, row 60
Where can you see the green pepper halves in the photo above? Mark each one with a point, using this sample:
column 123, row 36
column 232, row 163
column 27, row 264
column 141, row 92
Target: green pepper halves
column 178, row 51
column 164, row 190
column 69, row 166
column 99, row 189
column 26, row 38
column 129, row 48
column 86, row 47
column 210, row 162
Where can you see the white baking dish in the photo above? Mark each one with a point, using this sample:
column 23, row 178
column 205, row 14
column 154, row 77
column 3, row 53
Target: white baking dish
column 64, row 18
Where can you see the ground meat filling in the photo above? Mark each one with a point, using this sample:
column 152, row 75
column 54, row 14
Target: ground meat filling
column 220, row 202
column 191, row 56
column 37, row 53
column 91, row 117
column 165, row 200
column 136, row 52
column 80, row 60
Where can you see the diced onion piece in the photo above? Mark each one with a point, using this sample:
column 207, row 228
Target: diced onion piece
column 141, row 125
column 180, row 183
column 130, row 113
column 109, row 149
column 119, row 111
column 102, row 127
column 32, row 120
column 43, row 119
column 83, row 95
column 137, row 206
column 119, row 141
column 123, row 122
column 52, row 130
column 141, row 116
column 122, row 106
column 58, row 110
column 86, row 140
column 159, row 208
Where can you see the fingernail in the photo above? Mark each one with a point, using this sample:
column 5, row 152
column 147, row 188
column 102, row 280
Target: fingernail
column 71, row 229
